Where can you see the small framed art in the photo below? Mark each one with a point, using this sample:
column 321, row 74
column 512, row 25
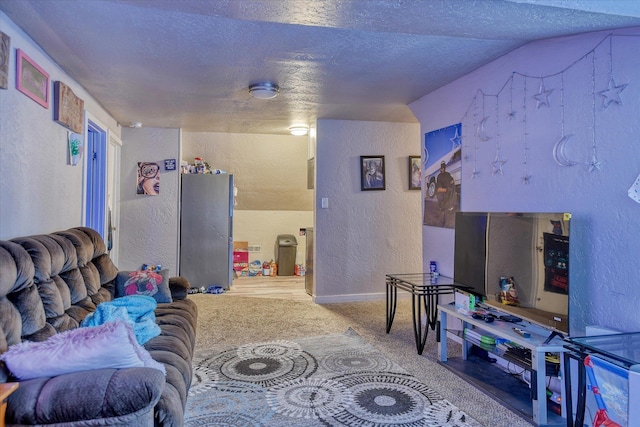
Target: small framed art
column 31, row 79
column 68, row 109
column 372, row 173
column 5, row 43
column 414, row 173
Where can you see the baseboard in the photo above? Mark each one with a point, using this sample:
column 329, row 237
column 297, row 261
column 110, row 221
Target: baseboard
column 331, row 299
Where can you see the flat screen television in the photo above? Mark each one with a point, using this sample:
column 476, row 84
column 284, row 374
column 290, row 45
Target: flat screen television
column 529, row 251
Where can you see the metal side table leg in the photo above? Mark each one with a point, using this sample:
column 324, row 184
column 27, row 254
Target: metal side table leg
column 419, row 306
column 392, row 299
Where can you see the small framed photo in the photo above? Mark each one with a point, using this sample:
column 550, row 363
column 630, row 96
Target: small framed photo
column 372, row 173
column 169, row 164
column 31, row 79
column 414, row 173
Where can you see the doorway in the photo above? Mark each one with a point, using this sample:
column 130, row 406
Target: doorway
column 95, row 177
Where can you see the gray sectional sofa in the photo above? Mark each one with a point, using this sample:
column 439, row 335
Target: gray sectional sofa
column 48, row 285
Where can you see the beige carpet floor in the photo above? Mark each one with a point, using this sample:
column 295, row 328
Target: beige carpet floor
column 227, row 320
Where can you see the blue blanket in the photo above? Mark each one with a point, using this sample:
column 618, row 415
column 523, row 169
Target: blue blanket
column 136, row 310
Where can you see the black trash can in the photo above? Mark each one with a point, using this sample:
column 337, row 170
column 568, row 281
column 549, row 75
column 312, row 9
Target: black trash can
column 287, row 246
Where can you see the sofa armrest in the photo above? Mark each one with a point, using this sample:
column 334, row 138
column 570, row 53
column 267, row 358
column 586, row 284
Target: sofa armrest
column 123, row 396
column 179, row 287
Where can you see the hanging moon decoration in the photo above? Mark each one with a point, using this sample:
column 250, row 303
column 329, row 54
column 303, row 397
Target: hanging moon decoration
column 558, row 152
column 482, row 134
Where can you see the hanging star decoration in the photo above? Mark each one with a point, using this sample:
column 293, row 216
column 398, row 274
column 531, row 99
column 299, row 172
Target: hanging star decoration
column 594, row 164
column 456, row 140
column 542, row 97
column 611, row 95
column 526, row 179
column 497, row 165
column 511, row 114
column 475, row 172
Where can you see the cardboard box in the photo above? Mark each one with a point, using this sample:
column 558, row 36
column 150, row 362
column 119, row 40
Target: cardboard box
column 240, row 246
column 240, row 255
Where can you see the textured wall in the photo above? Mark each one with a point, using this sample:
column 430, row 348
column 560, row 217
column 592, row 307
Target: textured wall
column 149, row 224
column 39, row 192
column 364, row 234
column 262, row 228
column 270, row 171
column 605, row 226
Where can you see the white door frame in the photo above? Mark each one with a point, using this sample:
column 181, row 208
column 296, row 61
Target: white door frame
column 113, row 192
column 88, row 117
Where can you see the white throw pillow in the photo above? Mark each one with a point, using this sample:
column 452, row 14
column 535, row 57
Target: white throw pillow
column 110, row 345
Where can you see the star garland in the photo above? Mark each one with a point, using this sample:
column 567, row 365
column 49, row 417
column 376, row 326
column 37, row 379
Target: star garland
column 594, row 163
column 611, row 95
column 512, row 113
column 475, row 172
column 542, row 97
column 526, row 178
column 558, row 149
column 498, row 162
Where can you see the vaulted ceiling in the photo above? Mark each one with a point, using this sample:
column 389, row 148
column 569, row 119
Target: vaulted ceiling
column 188, row 63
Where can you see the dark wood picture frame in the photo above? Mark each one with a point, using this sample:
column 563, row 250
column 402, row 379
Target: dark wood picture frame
column 372, row 173
column 415, row 173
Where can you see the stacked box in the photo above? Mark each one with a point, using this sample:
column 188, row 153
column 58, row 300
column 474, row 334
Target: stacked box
column 240, row 256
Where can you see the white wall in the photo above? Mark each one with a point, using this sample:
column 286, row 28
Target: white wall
column 39, row 192
column 364, row 234
column 270, row 171
column 263, row 227
column 605, row 225
column 149, row 224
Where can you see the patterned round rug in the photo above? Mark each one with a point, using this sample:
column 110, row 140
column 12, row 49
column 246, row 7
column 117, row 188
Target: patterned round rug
column 265, row 364
column 333, row 380
column 233, row 404
column 384, row 398
column 355, row 361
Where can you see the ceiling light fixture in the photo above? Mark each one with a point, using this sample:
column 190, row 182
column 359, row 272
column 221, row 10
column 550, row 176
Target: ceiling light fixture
column 264, row 90
column 135, row 125
column 299, row 130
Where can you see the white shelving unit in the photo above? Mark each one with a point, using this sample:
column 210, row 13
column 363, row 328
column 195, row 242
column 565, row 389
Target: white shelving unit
column 500, row 329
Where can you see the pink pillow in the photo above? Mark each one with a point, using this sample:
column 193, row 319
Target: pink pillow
column 110, row 345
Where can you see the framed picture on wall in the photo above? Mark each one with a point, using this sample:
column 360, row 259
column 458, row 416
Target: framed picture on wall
column 31, row 79
column 148, row 179
column 414, row 173
column 5, row 43
column 372, row 174
column 68, row 109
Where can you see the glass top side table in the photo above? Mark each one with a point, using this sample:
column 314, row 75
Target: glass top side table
column 425, row 291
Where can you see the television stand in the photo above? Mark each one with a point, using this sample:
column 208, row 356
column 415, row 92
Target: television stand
column 538, row 342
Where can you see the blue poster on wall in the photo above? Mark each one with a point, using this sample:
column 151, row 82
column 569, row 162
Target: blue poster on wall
column 441, row 171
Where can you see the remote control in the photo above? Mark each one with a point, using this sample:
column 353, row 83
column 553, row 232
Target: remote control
column 522, row 332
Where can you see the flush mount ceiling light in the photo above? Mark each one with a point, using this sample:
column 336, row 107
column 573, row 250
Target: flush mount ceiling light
column 299, row 130
column 264, row 90
column 135, row 125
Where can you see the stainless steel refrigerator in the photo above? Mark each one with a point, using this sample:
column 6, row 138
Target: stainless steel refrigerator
column 206, row 229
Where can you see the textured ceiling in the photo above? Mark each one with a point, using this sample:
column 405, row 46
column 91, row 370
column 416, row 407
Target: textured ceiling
column 188, row 63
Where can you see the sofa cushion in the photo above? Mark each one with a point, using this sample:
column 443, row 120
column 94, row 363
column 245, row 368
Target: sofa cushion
column 122, row 397
column 150, row 283
column 111, row 345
